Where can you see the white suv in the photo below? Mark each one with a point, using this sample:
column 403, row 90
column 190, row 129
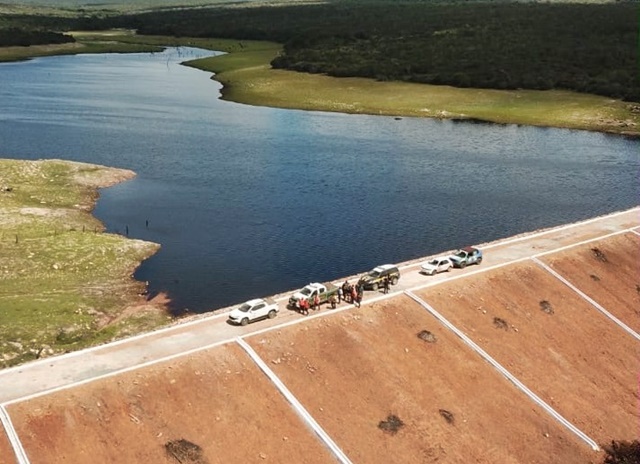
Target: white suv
column 436, row 265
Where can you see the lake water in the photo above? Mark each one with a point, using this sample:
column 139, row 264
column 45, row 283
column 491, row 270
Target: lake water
column 249, row 201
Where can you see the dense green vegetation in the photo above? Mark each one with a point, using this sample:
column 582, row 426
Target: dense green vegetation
column 23, row 37
column 588, row 48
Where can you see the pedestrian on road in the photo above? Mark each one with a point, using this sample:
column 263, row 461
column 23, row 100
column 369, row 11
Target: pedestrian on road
column 385, row 285
column 360, row 290
column 359, row 298
column 340, row 294
column 333, row 302
column 316, row 302
column 354, row 295
column 304, row 306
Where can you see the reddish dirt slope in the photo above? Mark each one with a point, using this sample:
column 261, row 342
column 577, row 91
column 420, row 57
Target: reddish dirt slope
column 6, row 451
column 571, row 355
column 354, row 369
column 217, row 400
column 608, row 271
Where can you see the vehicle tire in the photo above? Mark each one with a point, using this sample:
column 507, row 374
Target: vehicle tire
column 449, row 268
column 374, row 287
column 479, row 261
column 244, row 321
column 394, row 281
column 463, row 265
column 272, row 314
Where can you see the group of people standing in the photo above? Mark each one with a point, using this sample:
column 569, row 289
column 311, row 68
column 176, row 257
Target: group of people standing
column 304, row 305
column 351, row 293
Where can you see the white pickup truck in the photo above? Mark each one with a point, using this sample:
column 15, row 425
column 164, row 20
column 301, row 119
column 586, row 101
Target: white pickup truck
column 324, row 292
column 253, row 310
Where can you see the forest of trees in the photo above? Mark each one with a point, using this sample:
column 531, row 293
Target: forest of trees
column 589, row 48
column 24, row 37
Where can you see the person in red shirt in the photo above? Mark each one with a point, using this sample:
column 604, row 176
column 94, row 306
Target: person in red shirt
column 303, row 304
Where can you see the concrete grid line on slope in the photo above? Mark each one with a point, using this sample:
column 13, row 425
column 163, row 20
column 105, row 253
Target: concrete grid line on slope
column 276, row 327
column 122, row 341
column 285, row 297
column 587, row 298
column 115, row 372
column 295, row 403
column 513, row 379
column 12, row 435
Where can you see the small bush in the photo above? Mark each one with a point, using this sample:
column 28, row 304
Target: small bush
column 185, row 452
column 546, row 307
column 448, row 416
column 500, row 323
column 427, row 336
column 622, row 452
column 391, row 425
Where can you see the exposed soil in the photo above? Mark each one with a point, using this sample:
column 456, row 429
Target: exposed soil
column 575, row 358
column 388, row 382
column 7, row 455
column 359, row 369
column 607, row 271
column 213, row 407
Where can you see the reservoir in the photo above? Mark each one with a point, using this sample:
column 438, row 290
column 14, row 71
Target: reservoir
column 251, row 201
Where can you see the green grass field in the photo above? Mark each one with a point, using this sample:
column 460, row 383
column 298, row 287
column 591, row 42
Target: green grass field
column 248, row 78
column 64, row 283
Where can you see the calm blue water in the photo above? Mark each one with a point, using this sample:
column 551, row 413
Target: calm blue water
column 250, row 201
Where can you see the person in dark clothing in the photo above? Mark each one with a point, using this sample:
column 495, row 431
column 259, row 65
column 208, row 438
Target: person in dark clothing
column 385, row 284
column 346, row 290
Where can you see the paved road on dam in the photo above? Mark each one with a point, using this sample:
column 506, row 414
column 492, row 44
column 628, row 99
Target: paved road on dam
column 51, row 374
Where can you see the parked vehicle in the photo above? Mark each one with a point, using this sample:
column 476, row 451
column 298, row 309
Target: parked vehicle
column 466, row 256
column 308, row 292
column 253, row 310
column 436, row 265
column 374, row 279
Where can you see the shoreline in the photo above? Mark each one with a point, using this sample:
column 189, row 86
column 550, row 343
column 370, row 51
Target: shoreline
column 67, row 284
column 247, row 78
column 415, row 262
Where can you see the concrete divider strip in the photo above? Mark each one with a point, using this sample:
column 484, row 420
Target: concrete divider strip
column 21, row 456
column 586, row 297
column 556, row 415
column 297, row 406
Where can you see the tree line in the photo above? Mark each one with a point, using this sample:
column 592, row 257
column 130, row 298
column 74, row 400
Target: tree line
column 14, row 36
column 589, row 48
